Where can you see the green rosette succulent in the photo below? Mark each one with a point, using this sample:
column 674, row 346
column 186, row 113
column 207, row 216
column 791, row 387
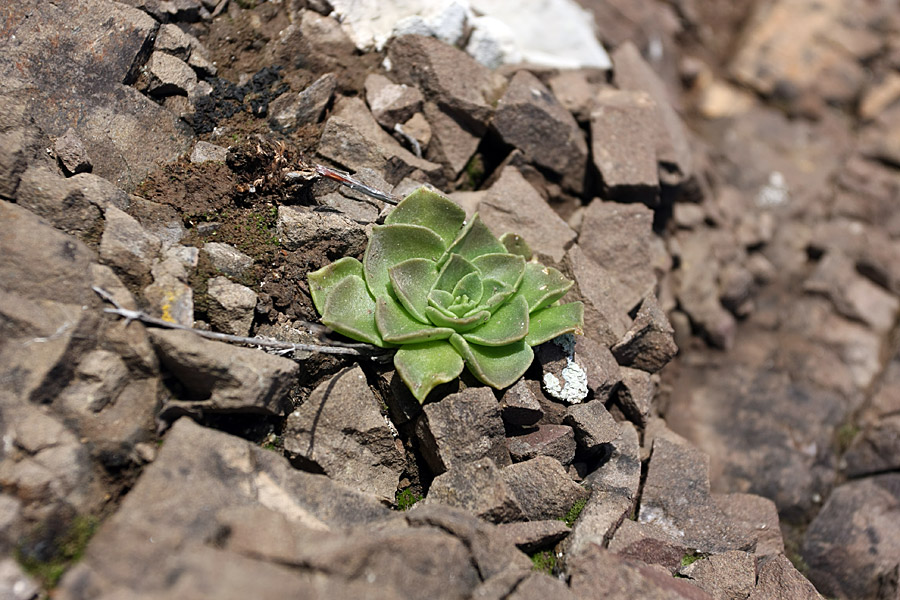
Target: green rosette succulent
column 446, row 293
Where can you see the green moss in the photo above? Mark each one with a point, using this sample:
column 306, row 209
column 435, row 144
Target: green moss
column 844, row 436
column 572, row 515
column 406, row 498
column 474, row 173
column 46, row 556
column 544, row 561
column 692, row 557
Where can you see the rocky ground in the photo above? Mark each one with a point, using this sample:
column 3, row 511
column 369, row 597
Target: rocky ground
column 722, row 190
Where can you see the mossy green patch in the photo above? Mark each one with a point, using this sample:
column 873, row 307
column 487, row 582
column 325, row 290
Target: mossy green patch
column 46, row 556
column 572, row 515
column 544, row 561
column 406, row 498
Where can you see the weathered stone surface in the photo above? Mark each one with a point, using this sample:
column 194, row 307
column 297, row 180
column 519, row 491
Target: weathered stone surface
column 478, row 488
column 723, row 576
column 697, row 289
column 391, row 103
column 519, row 405
column 228, row 378
column 531, row 119
column 70, row 153
column 614, row 489
column 676, row 497
column 650, row 342
column 227, row 259
column 513, row 205
column 206, row 152
column 292, row 110
column 61, row 201
column 461, row 428
column 15, row 584
column 538, row 586
column 169, row 298
column 758, row 517
column 452, row 141
column 531, row 536
column 353, row 139
column 20, row 144
column 605, row 299
column 88, row 91
column 577, row 89
column 593, row 425
column 564, row 376
column 300, row 228
column 778, row 579
column 555, row 441
column 603, row 373
column 876, row 449
column 650, row 544
column 635, row 395
column 126, row 246
column 632, row 73
column 340, row 429
column 854, row 541
column 543, row 488
column 447, row 76
column 231, row 306
column 620, row 238
column 170, row 76
column 598, row 573
column 624, row 131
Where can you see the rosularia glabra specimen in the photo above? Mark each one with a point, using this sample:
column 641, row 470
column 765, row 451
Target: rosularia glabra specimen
column 446, row 293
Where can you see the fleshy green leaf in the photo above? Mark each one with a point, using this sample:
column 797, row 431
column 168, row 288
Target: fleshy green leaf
column 468, row 291
column 497, row 366
column 350, row 310
column 509, row 324
column 390, row 245
column 441, row 300
column 516, row 244
column 457, row 323
column 398, row 327
column 542, row 286
column 321, row 281
column 474, row 240
column 411, row 281
column 552, row 321
column 496, row 294
column 453, row 270
column 430, row 209
column 424, row 366
column 505, row 268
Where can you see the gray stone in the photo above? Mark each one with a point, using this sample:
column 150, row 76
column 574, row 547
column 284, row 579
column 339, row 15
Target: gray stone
column 539, row 586
column 20, row 143
column 758, row 517
column 70, row 152
column 171, row 299
column 603, row 373
column 598, row 573
column 513, row 205
column 723, row 576
column 61, row 201
column 632, row 73
column 476, row 487
column 531, row 536
column 11, row 525
column 543, row 488
column 341, row 430
column 519, row 405
column 300, row 228
column 290, row 110
column 392, row 103
column 531, row 119
column 593, row 425
column 852, row 545
column 565, row 378
column 170, row 76
column 778, row 579
column 231, row 379
column 876, row 449
column 353, row 139
column 650, row 342
column 614, row 492
column 635, row 395
column 447, row 76
column 226, row 259
column 206, row 152
column 623, row 145
column 452, row 142
column 676, row 497
column 15, row 584
column 554, row 441
column 462, row 428
column 605, row 314
column 126, row 246
column 231, row 306
column 90, row 91
column 620, row 238
column 172, row 40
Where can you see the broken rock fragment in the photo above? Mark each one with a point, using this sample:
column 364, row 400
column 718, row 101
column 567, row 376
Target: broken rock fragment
column 593, row 425
column 543, row 488
column 231, row 306
column 555, row 441
column 390, row 102
column 290, row 110
column 478, row 488
column 650, row 342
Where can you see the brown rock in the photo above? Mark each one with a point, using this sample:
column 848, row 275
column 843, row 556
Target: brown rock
column 555, row 441
column 71, row 154
column 758, row 516
column 605, row 314
column 650, row 544
column 635, row 395
column 290, row 110
column 778, row 579
column 594, row 426
column 452, row 141
column 391, row 103
column 519, row 405
column 723, row 576
column 650, row 343
column 543, row 488
column 478, row 488
column 531, row 536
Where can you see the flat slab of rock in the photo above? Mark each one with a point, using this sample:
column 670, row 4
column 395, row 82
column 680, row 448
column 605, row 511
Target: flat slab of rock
column 778, row 579
column 478, row 488
column 728, row 575
column 593, row 425
column 390, row 102
column 531, row 536
column 300, row 228
column 623, row 145
column 341, row 430
column 231, row 306
column 227, row 259
column 229, row 378
column 289, row 110
column 635, row 395
column 543, row 488
column 531, row 119
column 461, row 428
column 555, row 441
column 513, row 205
column 519, row 405
column 605, row 297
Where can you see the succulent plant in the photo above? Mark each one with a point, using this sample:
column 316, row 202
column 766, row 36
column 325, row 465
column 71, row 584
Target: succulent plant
column 446, row 293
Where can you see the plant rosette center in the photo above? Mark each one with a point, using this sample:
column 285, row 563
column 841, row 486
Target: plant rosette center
column 447, row 294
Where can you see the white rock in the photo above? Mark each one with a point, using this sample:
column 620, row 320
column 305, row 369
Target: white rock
column 492, row 43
